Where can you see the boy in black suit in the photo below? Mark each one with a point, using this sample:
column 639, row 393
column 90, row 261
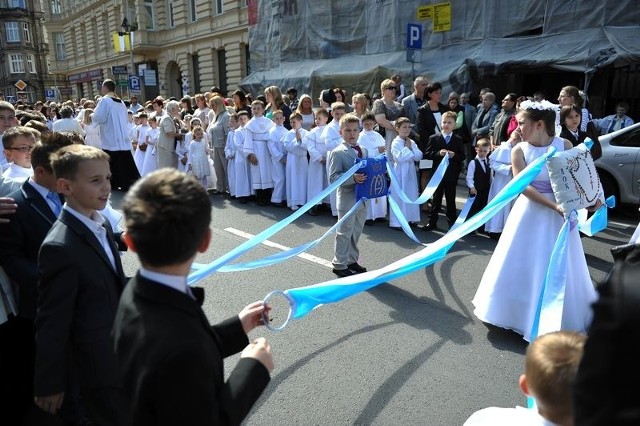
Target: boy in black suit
column 171, row 359
column 449, row 144
column 479, row 178
column 81, row 279
column 20, row 240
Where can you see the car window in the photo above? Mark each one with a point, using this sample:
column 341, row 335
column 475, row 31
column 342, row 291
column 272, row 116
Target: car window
column 628, row 139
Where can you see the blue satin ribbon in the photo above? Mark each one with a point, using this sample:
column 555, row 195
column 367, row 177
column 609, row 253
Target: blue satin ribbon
column 202, row 271
column 407, row 228
column 287, row 254
column 428, row 192
column 598, row 221
column 303, row 300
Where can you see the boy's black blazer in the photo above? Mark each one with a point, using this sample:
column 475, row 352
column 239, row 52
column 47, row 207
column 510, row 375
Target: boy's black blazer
column 171, row 359
column 78, row 294
column 436, row 143
column 20, row 241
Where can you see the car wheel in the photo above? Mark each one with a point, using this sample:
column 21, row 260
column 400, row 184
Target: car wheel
column 610, row 187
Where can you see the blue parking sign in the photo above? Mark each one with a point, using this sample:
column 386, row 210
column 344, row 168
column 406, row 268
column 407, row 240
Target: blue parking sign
column 134, row 82
column 50, row 94
column 414, row 36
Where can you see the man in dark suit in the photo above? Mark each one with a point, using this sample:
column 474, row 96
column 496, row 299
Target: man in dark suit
column 171, row 359
column 440, row 145
column 81, row 279
column 20, row 240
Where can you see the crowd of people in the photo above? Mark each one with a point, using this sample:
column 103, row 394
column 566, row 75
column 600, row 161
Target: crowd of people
column 60, row 164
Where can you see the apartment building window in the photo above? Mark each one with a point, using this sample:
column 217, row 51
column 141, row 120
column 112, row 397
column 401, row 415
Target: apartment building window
column 31, row 64
column 195, row 66
column 13, row 34
column 148, row 10
column 219, row 9
column 16, row 63
column 60, row 51
column 20, row 4
column 192, row 11
column 222, row 70
column 172, row 22
column 56, row 7
column 25, row 31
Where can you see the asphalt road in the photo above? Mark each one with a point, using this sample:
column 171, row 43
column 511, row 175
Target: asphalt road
column 407, row 352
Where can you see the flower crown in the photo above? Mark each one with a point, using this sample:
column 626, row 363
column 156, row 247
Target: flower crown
column 542, row 105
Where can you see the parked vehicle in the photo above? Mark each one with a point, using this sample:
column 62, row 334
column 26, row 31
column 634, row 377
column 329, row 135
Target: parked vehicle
column 619, row 166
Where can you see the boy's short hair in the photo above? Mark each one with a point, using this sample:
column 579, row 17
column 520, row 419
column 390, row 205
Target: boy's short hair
column 348, row 118
column 14, row 132
column 551, row 365
column 74, row 137
column 167, row 214
column 6, row 106
column 449, row 114
column 322, row 111
column 369, row 116
column 143, row 115
column 66, row 161
column 400, row 121
column 38, row 126
column 278, row 111
column 258, row 102
column 483, row 143
column 243, row 113
column 233, row 116
column 41, row 153
column 295, row 116
column 338, row 105
column 153, row 118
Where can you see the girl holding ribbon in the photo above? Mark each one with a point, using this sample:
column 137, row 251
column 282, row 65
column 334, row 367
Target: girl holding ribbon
column 510, row 287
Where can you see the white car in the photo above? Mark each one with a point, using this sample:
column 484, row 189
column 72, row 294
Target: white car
column 619, row 166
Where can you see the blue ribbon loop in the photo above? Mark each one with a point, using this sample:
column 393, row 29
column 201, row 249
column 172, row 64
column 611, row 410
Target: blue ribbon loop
column 303, row 300
column 428, row 192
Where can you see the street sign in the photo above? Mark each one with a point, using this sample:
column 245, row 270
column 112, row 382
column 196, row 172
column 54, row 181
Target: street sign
column 66, row 90
column 414, row 36
column 119, row 69
column 134, row 83
column 11, row 98
column 21, row 85
column 50, row 94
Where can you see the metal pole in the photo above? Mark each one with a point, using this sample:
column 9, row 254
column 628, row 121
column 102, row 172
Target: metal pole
column 133, row 69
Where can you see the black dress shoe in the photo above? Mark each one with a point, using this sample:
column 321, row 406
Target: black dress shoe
column 313, row 211
column 343, row 272
column 355, row 267
column 428, row 227
column 396, row 228
column 368, row 222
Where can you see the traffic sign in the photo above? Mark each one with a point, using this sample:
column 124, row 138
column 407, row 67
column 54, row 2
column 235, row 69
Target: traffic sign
column 119, row 69
column 11, row 98
column 21, row 85
column 134, row 82
column 414, row 36
column 50, row 94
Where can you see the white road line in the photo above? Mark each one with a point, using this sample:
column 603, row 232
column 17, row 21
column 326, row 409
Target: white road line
column 305, row 256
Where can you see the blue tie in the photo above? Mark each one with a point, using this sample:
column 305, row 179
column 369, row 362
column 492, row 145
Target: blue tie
column 447, row 139
column 55, row 200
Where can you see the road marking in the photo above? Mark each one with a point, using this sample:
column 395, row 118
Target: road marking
column 305, row 256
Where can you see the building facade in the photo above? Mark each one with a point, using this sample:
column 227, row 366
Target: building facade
column 178, row 47
column 23, row 50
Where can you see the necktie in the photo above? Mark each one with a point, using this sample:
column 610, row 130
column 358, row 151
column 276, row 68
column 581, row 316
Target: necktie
column 358, row 150
column 484, row 165
column 55, row 200
column 447, row 139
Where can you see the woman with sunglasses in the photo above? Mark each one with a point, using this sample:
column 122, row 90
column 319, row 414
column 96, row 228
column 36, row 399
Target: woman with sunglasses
column 387, row 110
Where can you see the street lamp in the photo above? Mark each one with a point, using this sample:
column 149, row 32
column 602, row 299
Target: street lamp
column 125, row 30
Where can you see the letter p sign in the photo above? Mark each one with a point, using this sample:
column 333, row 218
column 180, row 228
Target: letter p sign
column 414, row 36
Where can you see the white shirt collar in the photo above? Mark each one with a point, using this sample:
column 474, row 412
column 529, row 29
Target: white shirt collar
column 176, row 282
